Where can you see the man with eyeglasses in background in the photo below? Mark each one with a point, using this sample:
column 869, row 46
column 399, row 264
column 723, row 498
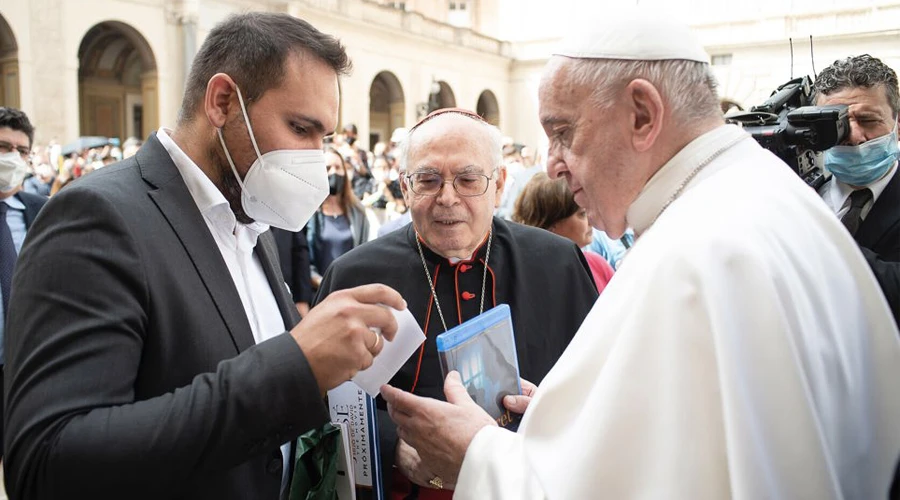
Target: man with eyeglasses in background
column 18, row 209
column 452, row 181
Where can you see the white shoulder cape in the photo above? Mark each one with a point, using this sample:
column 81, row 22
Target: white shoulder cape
column 742, row 350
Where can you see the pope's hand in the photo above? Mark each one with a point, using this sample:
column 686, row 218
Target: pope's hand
column 518, row 404
column 440, row 432
column 410, row 464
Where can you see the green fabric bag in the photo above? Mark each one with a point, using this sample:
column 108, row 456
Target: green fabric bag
column 315, row 464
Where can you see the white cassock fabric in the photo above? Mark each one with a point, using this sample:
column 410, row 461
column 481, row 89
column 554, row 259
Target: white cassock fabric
column 743, row 350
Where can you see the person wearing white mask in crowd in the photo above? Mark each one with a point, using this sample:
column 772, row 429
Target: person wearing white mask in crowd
column 18, row 209
column 743, row 350
column 864, row 190
column 153, row 348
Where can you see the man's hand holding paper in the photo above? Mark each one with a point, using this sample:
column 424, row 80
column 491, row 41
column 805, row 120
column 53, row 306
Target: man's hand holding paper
column 337, row 338
column 408, row 337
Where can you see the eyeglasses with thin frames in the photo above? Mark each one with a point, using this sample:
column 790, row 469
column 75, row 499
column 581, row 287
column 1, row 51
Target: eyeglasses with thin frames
column 467, row 184
column 24, row 152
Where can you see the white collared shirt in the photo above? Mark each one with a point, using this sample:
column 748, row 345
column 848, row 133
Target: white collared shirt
column 236, row 243
column 15, row 218
column 837, row 194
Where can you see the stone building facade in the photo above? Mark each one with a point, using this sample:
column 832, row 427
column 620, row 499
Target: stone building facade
column 117, row 67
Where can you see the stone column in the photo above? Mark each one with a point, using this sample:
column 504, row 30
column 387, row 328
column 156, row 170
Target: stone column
column 150, row 98
column 53, row 79
column 9, row 71
column 183, row 34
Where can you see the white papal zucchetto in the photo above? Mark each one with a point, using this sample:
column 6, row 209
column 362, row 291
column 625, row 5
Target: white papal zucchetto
column 633, row 34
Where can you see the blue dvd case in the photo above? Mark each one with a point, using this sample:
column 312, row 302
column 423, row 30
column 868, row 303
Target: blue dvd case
column 483, row 351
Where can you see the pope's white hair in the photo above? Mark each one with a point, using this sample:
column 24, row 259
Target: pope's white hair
column 494, row 138
column 688, row 87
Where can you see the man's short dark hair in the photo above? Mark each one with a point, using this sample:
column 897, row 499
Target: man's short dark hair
column 350, row 127
column 859, row 71
column 16, row 119
column 252, row 49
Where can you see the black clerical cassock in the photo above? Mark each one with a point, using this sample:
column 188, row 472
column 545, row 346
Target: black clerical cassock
column 543, row 278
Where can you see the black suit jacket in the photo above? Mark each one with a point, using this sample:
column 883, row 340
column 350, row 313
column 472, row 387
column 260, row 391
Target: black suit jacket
column 880, row 231
column 879, row 237
column 131, row 367
column 33, row 204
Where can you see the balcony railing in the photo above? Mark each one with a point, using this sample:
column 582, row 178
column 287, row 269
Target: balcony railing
column 875, row 18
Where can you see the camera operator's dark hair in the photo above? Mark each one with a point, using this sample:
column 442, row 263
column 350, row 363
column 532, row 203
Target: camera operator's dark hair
column 252, row 49
column 859, row 71
column 17, row 120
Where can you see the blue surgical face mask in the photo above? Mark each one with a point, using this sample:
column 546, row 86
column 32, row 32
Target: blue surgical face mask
column 866, row 163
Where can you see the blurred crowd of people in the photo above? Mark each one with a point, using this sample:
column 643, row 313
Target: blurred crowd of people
column 53, row 166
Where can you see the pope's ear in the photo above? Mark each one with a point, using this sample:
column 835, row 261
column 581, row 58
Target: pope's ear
column 219, row 97
column 646, row 113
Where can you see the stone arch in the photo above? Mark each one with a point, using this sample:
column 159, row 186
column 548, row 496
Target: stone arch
column 445, row 97
column 9, row 66
column 118, row 87
column 488, row 108
column 387, row 107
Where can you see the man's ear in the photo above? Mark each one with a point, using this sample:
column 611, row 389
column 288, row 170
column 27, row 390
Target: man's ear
column 220, row 92
column 647, row 112
column 501, row 183
column 404, row 188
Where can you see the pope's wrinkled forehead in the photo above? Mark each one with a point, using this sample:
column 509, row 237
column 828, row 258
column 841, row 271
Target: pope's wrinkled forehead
column 559, row 87
column 556, row 69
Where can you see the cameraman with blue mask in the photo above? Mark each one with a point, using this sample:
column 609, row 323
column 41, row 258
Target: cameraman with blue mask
column 865, row 188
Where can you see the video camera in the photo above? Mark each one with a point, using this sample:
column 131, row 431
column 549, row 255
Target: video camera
column 793, row 130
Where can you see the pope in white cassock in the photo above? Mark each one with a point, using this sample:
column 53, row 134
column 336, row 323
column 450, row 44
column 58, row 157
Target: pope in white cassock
column 743, row 349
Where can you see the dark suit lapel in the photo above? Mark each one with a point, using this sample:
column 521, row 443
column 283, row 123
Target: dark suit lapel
column 174, row 200
column 32, row 208
column 884, row 214
column 267, row 252
column 29, row 216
